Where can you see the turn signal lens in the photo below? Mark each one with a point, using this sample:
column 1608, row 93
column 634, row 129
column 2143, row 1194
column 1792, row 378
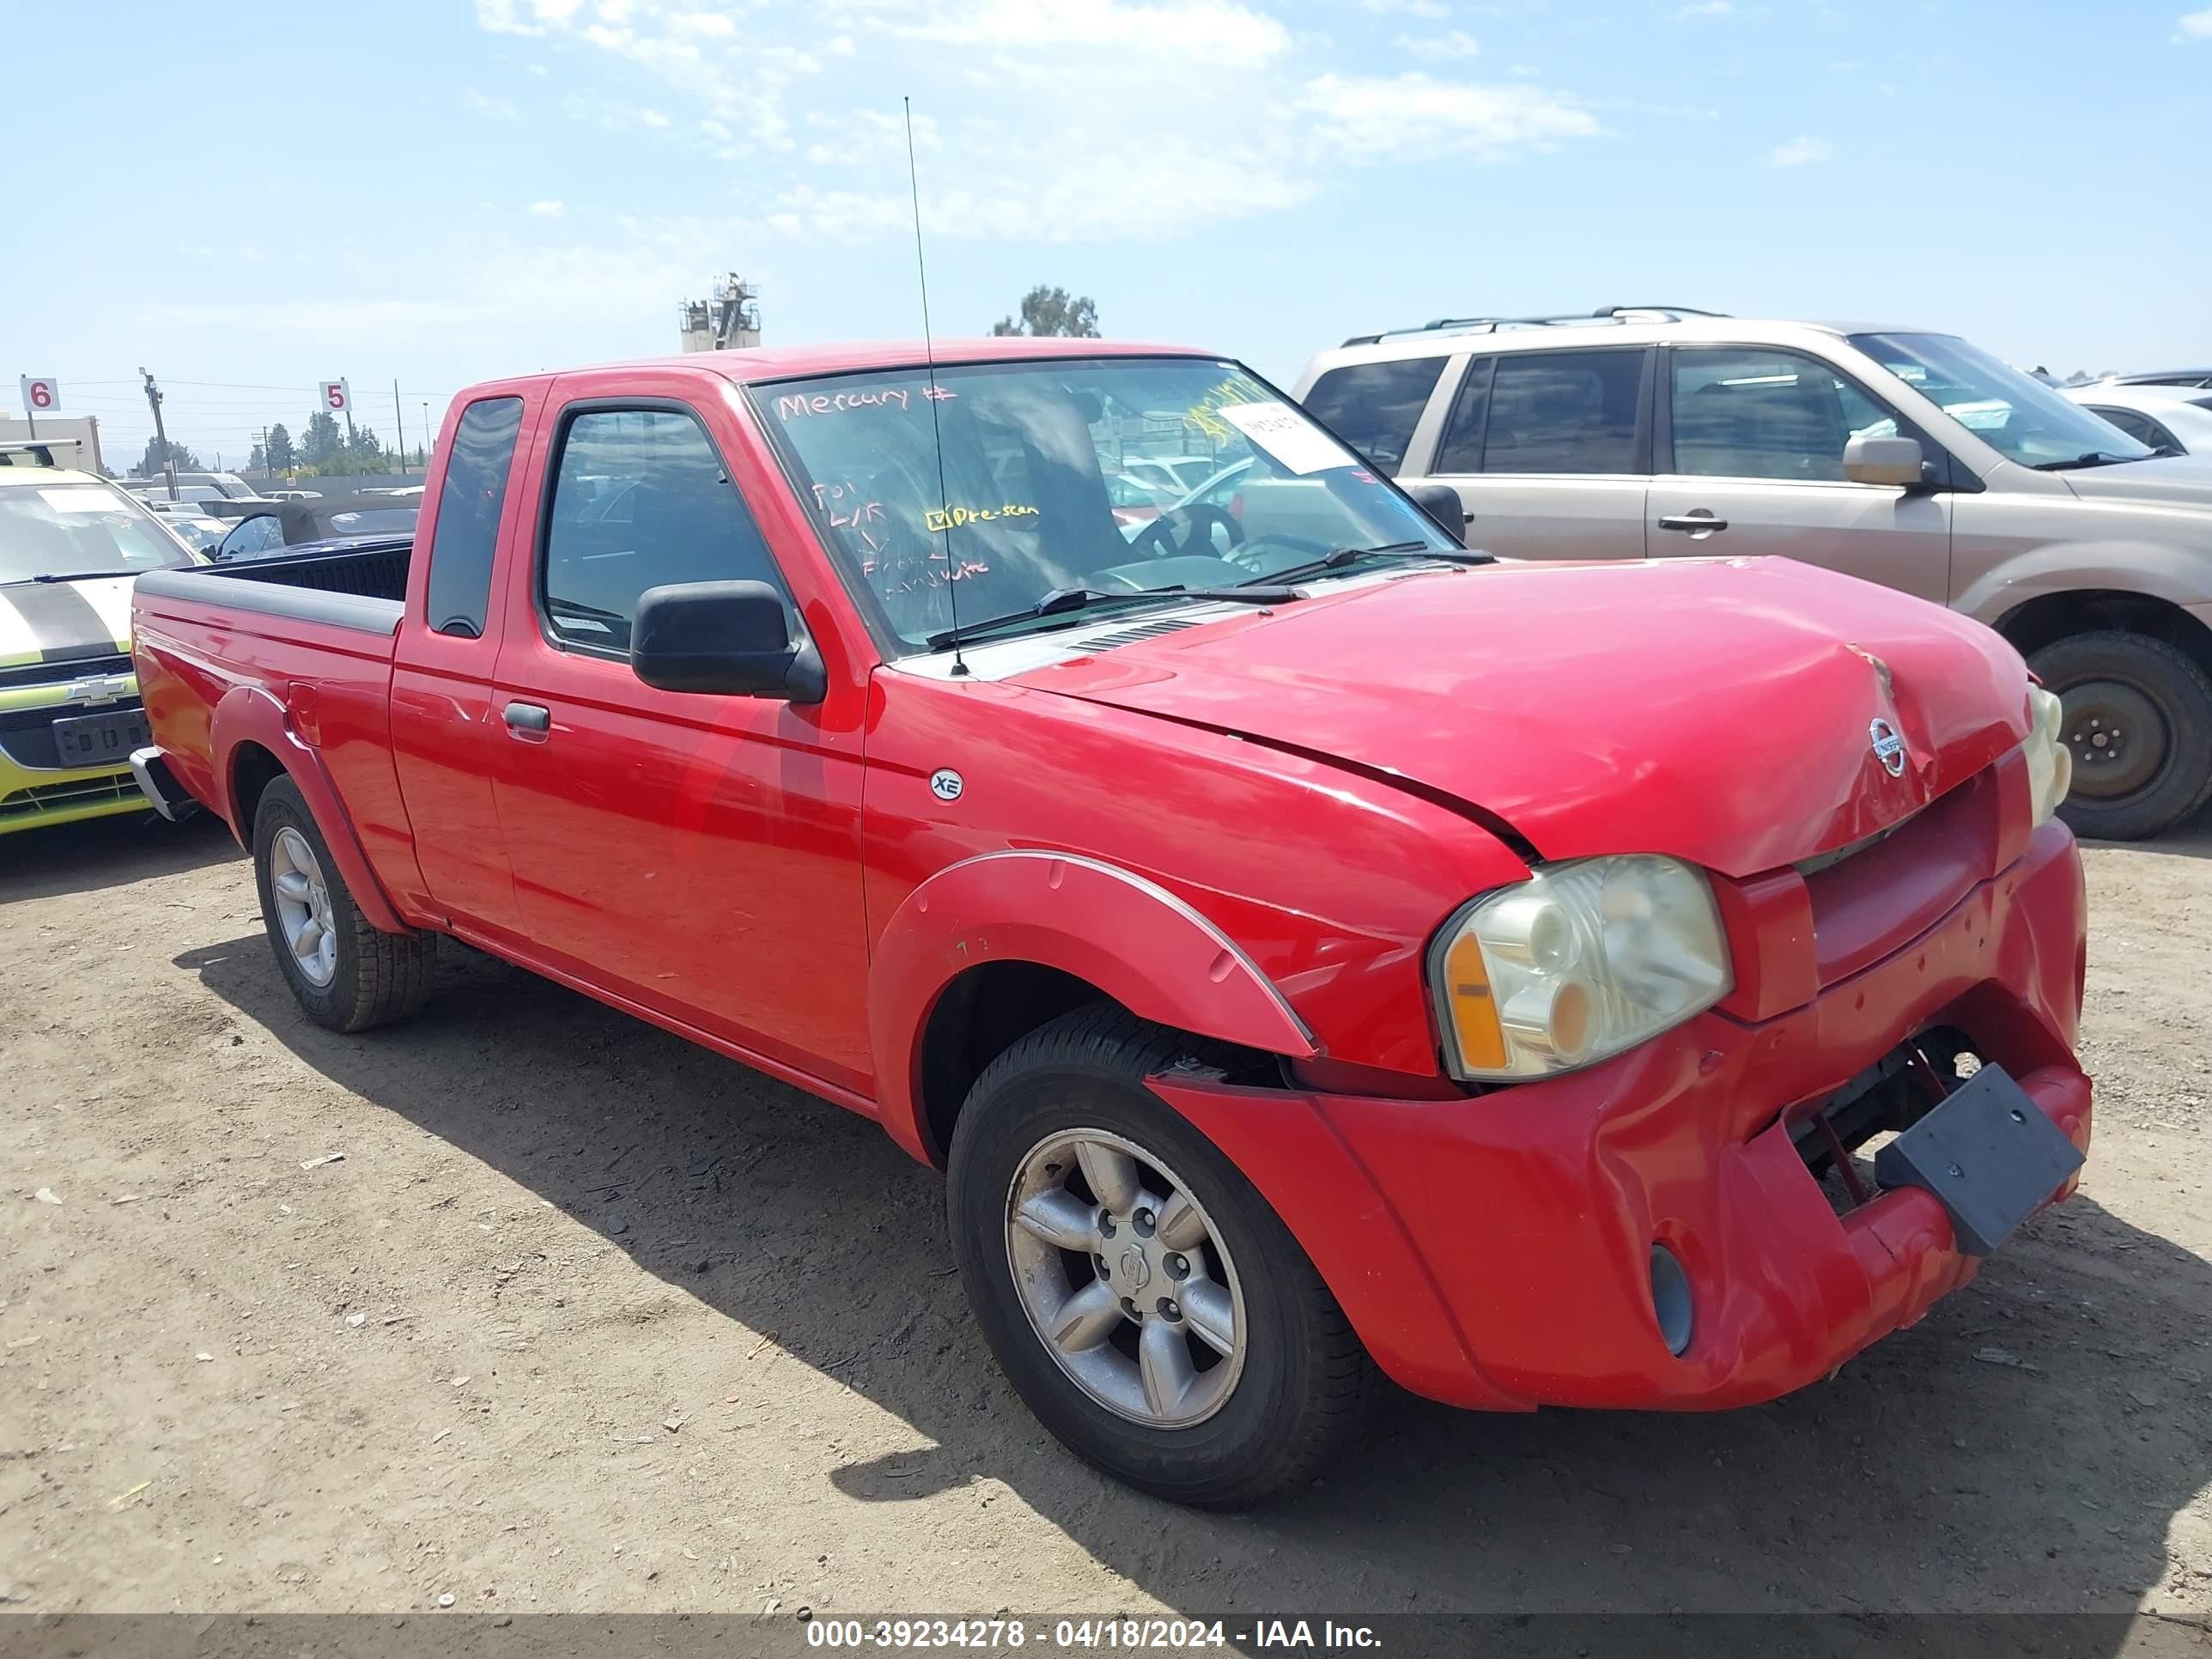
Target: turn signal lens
column 2050, row 762
column 1580, row 962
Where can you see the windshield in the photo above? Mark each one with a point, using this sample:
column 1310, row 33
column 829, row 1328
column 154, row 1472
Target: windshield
column 2013, row 413
column 1046, row 484
column 80, row 529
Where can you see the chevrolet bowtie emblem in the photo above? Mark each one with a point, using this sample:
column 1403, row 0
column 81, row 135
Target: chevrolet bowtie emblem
column 103, row 688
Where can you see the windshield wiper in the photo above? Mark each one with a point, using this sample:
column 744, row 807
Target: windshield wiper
column 1063, row 600
column 76, row 575
column 2094, row 458
column 1348, row 556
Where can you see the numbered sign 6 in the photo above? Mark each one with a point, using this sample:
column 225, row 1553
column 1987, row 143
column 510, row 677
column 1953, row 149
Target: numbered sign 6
column 338, row 397
column 42, row 394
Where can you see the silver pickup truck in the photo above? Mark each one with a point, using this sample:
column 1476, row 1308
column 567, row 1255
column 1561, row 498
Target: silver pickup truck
column 1909, row 458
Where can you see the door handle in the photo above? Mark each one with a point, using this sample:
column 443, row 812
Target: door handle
column 1698, row 521
column 528, row 720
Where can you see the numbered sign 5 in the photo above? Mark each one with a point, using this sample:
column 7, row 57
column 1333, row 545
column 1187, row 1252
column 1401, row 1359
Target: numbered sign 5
column 42, row 394
column 338, row 397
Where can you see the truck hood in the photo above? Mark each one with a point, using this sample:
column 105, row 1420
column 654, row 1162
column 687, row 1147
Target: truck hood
column 2173, row 481
column 1718, row 710
column 60, row 622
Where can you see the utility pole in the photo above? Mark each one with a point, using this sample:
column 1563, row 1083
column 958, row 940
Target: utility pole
column 160, row 434
column 426, row 440
column 398, row 432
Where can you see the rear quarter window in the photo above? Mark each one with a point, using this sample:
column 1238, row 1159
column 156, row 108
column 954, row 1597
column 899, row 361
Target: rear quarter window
column 469, row 505
column 1375, row 406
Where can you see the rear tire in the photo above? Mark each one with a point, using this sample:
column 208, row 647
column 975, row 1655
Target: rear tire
column 1264, row 1410
column 345, row 974
column 2139, row 722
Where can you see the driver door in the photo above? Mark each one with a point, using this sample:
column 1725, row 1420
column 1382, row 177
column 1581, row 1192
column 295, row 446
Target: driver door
column 692, row 854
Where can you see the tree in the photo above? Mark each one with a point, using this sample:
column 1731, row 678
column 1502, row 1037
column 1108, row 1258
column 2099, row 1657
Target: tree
column 281, row 457
column 321, row 442
column 150, row 465
column 257, row 459
column 365, row 453
column 1049, row 310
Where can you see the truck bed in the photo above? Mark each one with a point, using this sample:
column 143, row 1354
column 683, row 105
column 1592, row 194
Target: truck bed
column 362, row 585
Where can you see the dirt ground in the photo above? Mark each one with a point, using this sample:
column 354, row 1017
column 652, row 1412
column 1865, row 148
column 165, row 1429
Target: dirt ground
column 587, row 1319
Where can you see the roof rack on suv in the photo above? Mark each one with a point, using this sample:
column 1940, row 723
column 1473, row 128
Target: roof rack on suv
column 40, row 450
column 1564, row 319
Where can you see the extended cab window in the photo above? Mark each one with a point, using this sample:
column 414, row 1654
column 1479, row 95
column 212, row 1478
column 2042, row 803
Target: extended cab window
column 467, row 527
column 1564, row 411
column 641, row 498
column 1374, row 406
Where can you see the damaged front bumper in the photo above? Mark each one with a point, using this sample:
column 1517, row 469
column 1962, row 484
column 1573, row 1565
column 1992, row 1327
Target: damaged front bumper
column 1498, row 1251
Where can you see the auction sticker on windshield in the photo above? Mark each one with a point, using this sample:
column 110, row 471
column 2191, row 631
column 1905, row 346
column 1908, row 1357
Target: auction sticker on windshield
column 1289, row 439
column 80, row 500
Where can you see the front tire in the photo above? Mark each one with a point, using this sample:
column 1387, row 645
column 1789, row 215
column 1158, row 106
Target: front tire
column 1139, row 1294
column 345, row 974
column 2139, row 722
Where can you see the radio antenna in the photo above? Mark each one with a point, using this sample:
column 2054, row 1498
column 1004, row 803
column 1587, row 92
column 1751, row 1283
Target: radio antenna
column 936, row 437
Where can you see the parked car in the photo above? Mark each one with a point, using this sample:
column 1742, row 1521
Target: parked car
column 2200, row 379
column 200, row 532
column 1303, row 958
column 1909, row 458
column 2175, row 419
column 196, row 487
column 1176, row 473
column 294, row 494
column 285, row 526
column 70, row 543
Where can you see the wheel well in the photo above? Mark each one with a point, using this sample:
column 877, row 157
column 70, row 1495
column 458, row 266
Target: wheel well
column 2055, row 616
column 252, row 769
column 979, row 1017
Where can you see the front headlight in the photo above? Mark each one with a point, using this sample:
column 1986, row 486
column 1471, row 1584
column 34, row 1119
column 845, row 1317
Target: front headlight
column 1575, row 964
column 2050, row 762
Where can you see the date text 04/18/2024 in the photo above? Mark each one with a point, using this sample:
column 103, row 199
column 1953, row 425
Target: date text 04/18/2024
column 1086, row 1635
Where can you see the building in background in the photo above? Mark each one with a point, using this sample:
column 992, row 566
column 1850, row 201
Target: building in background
column 728, row 322
column 85, row 428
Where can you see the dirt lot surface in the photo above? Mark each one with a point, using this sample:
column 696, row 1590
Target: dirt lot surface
column 587, row 1319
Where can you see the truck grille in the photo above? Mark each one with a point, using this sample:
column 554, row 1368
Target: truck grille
column 61, row 673
column 26, row 735
column 60, row 797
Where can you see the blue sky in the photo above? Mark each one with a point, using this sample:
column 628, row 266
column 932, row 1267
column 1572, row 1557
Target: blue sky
column 249, row 197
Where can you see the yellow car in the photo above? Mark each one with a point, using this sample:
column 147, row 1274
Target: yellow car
column 70, row 545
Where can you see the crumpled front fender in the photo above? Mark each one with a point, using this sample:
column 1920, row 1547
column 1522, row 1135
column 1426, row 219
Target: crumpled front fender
column 1137, row 942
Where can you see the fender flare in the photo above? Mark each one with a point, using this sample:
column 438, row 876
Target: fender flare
column 247, row 713
column 1127, row 935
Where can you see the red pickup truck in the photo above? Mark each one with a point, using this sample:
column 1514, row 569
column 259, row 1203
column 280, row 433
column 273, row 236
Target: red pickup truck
column 1312, row 950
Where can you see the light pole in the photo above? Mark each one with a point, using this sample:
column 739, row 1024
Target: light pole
column 161, row 434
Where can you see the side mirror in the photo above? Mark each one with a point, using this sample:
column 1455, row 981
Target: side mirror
column 1892, row 461
column 1442, row 503
column 729, row 639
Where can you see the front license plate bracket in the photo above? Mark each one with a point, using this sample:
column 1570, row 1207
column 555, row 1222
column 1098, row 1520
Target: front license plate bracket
column 1987, row 1153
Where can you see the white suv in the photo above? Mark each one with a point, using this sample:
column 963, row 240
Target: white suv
column 1910, row 459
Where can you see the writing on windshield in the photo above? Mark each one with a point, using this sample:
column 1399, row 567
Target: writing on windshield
column 1118, row 474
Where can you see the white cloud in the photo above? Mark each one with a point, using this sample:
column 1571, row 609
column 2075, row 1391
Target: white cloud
column 1454, row 43
column 1209, row 31
column 2195, row 25
column 1412, row 115
column 549, row 209
column 1705, row 8
column 807, row 122
column 498, row 109
column 1800, row 151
